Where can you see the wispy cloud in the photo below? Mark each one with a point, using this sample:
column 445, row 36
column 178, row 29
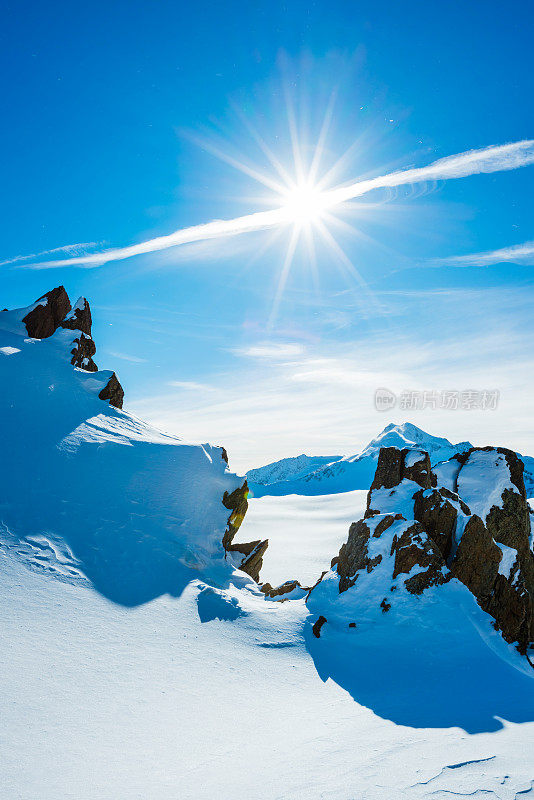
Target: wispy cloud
column 191, row 386
column 489, row 159
column 516, row 254
column 126, row 357
column 273, row 351
column 79, row 249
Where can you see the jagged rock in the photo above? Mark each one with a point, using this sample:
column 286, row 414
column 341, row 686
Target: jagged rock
column 285, row 588
column 79, row 318
column 43, row 320
column 82, row 354
column 317, row 625
column 396, row 465
column 237, row 503
column 113, row 392
column 354, row 555
column 438, row 517
column 485, row 542
column 415, row 548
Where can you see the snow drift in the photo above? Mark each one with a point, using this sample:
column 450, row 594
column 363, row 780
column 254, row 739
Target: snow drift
column 91, row 493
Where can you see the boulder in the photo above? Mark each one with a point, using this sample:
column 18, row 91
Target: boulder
column 113, row 392
column 47, row 314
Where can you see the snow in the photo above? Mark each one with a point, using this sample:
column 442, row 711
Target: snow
column 9, row 351
column 102, row 701
column 288, row 469
column 482, row 481
column 304, row 533
column 78, row 306
column 413, row 458
column 509, row 557
column 446, row 473
column 135, row 663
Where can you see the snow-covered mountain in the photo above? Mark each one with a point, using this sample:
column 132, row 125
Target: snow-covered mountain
column 288, row 469
column 334, row 475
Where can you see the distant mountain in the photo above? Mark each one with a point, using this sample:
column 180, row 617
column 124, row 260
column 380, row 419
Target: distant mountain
column 307, row 475
column 288, row 469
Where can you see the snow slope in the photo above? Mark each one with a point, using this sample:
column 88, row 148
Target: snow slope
column 124, row 505
column 223, row 695
column 351, row 472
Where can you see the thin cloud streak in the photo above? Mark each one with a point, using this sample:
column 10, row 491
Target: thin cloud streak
column 490, row 159
column 516, row 254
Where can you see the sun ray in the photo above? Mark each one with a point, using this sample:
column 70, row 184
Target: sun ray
column 284, row 274
column 252, row 172
column 321, row 141
column 300, row 172
column 351, row 270
column 264, row 147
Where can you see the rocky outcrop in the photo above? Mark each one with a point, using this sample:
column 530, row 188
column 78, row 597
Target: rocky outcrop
column 47, row 313
column 434, row 533
column 79, row 318
column 53, row 311
column 292, row 588
column 113, row 392
column 253, row 552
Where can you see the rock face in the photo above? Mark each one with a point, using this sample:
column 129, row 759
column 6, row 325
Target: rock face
column 113, row 392
column 476, row 528
column 53, row 311
column 253, row 552
column 47, row 314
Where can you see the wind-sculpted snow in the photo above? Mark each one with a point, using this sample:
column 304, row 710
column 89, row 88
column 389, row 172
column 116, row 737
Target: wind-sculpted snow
column 134, row 509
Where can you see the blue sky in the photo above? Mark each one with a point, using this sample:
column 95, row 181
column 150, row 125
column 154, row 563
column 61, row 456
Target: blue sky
column 111, row 111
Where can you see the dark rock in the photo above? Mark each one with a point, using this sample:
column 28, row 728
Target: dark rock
column 82, row 355
column 253, row 561
column 284, row 588
column 79, row 319
column 45, row 319
column 317, row 625
column 414, row 548
column 438, row 517
column 420, row 472
column 352, row 624
column 388, row 469
column 113, row 392
column 353, row 555
column 391, row 469
column 385, row 606
column 237, row 503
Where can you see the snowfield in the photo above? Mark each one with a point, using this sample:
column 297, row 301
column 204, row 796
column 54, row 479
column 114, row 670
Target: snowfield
column 304, row 532
column 100, row 701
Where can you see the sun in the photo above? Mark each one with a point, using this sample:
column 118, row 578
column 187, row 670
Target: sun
column 305, row 203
